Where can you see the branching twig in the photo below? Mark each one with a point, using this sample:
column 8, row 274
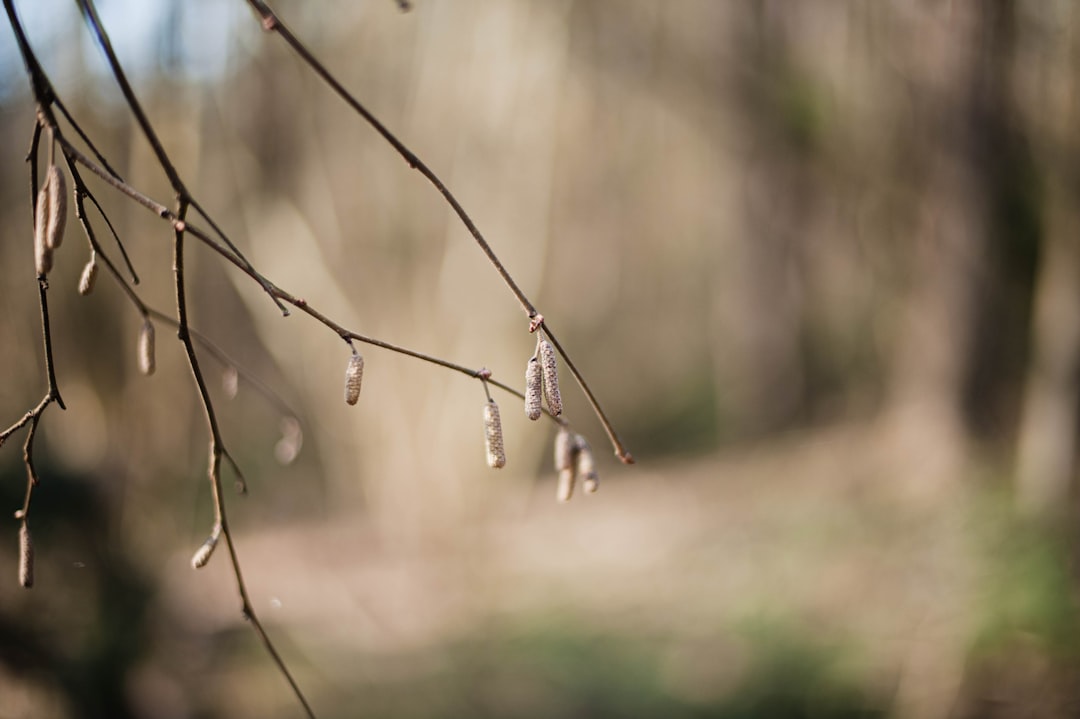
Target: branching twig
column 272, row 23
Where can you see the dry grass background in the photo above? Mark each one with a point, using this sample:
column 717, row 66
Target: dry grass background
column 769, row 234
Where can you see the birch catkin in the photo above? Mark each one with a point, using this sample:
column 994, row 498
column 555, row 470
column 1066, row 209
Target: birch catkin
column 26, row 557
column 56, row 190
column 43, row 256
column 146, row 348
column 354, row 376
column 551, row 378
column 493, row 436
column 533, row 389
column 89, row 276
column 203, row 553
column 564, row 463
column 585, row 465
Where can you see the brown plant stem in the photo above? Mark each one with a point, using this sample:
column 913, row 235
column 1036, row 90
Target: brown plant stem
column 217, row 449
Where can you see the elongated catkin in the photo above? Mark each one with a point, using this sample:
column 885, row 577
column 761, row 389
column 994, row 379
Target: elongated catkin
column 533, row 389
column 26, row 557
column 493, row 436
column 551, row 378
column 354, row 376
column 56, row 189
column 564, row 449
column 43, row 257
column 146, row 348
column 585, row 465
column 89, row 276
column 203, row 553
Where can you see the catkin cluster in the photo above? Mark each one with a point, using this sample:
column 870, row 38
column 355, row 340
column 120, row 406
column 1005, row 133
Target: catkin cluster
column 49, row 219
column 574, row 462
column 542, row 380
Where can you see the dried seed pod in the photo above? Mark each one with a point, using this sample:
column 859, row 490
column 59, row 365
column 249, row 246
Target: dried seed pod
column 146, row 348
column 551, row 378
column 202, row 554
column 26, row 557
column 354, row 376
column 585, row 465
column 493, row 436
column 533, row 389
column 56, row 189
column 89, row 276
column 564, row 449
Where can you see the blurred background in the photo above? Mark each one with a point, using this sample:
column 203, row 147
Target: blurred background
column 818, row 260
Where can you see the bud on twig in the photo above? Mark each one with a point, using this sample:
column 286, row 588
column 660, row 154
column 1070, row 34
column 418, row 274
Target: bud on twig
column 26, row 557
column 354, row 376
column 146, row 348
column 551, row 378
column 493, row 436
column 56, row 190
column 533, row 389
column 89, row 276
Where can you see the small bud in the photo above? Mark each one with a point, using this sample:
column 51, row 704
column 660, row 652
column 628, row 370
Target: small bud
column 146, row 348
column 533, row 389
column 493, row 436
column 26, row 557
column 202, row 554
column 89, row 277
column 564, row 450
column 56, row 190
column 551, row 378
column 585, row 465
column 354, row 375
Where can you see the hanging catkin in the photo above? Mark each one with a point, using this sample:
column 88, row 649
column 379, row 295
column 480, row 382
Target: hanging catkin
column 55, row 189
column 89, row 276
column 146, row 348
column 564, row 463
column 43, row 256
column 26, row 557
column 585, row 465
column 533, row 389
column 202, row 554
column 551, row 378
column 354, row 376
column 493, row 436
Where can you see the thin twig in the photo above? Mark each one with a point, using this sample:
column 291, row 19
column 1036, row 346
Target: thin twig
column 217, row 449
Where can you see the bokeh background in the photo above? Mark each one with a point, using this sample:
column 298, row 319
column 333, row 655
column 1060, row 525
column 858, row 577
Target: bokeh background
column 819, row 261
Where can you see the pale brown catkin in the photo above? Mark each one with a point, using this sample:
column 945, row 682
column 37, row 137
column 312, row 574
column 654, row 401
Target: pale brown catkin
column 146, row 348
column 551, row 378
column 564, row 463
column 43, row 256
column 585, row 465
column 89, row 277
column 533, row 389
column 493, row 436
column 56, row 189
column 203, row 553
column 26, row 557
column 354, row 376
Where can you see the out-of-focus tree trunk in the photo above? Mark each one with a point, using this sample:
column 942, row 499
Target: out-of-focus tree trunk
column 1046, row 450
